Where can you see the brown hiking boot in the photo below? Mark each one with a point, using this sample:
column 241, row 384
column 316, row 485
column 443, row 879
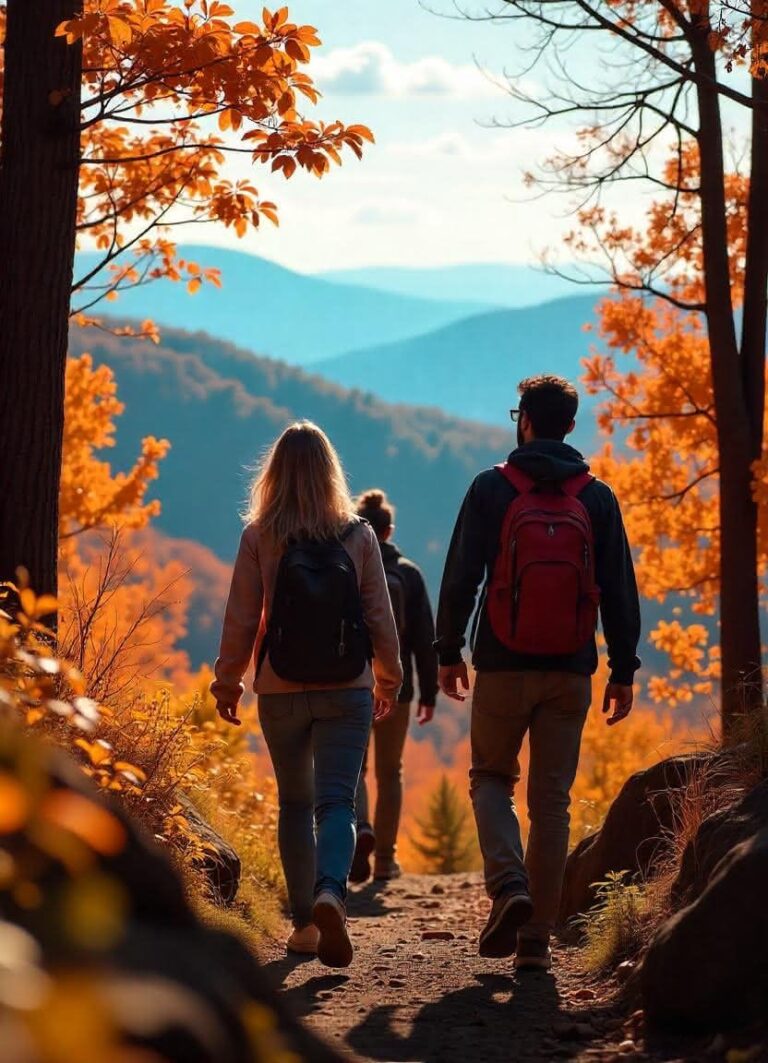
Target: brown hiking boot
column 510, row 910
column 361, row 861
column 533, row 955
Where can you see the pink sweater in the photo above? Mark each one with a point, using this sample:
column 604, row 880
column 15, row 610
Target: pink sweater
column 249, row 605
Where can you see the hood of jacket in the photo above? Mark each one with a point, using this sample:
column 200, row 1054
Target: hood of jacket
column 548, row 459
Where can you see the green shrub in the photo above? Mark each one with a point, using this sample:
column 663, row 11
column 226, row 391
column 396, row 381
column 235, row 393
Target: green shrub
column 614, row 927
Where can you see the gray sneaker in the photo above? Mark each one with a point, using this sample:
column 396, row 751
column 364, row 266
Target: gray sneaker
column 533, row 955
column 510, row 910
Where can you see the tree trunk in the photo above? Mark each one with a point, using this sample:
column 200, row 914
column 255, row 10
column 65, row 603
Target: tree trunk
column 739, row 592
column 38, row 202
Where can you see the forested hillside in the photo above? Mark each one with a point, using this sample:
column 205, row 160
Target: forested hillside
column 220, row 406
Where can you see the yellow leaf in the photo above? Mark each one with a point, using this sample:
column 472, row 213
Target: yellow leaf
column 46, row 603
column 127, row 768
column 119, row 30
column 28, row 600
column 14, row 804
column 97, row 752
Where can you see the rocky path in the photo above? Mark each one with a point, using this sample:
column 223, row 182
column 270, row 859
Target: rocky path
column 418, row 991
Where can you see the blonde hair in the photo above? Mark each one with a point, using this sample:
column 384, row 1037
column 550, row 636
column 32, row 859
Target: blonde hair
column 300, row 491
column 375, row 507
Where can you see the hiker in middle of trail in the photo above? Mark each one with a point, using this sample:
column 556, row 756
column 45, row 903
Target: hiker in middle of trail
column 309, row 602
column 416, row 631
column 549, row 541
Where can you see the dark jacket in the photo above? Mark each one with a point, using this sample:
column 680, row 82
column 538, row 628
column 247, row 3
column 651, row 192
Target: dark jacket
column 472, row 556
column 418, row 637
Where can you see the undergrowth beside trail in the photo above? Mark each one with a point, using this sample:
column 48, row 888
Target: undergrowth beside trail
column 158, row 750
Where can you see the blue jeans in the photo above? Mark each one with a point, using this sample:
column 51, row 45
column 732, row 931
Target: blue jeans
column 317, row 740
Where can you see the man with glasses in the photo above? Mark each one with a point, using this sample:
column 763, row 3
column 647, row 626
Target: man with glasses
column 547, row 541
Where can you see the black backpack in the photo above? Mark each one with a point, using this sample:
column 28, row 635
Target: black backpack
column 316, row 631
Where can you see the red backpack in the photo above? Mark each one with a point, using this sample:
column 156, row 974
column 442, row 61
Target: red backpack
column 542, row 598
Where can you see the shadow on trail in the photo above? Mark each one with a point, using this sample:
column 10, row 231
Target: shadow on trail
column 368, row 902
column 302, row 1000
column 497, row 1017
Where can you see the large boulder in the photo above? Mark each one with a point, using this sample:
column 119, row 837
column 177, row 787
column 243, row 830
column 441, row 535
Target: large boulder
column 707, row 968
column 634, row 833
column 221, row 864
column 716, row 837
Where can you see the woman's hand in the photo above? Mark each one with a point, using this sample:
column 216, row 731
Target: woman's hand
column 228, row 713
column 382, row 707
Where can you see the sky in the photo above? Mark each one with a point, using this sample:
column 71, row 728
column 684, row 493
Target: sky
column 440, row 186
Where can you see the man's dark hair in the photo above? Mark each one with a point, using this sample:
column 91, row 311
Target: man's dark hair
column 551, row 403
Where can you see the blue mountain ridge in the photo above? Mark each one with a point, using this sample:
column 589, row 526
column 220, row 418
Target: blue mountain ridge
column 294, row 317
column 505, row 284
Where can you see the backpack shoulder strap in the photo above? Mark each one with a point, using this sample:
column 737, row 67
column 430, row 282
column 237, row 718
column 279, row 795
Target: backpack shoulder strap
column 516, row 477
column 576, row 484
column 346, row 532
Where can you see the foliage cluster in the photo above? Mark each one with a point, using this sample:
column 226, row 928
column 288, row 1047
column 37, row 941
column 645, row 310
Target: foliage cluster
column 662, row 411
column 170, row 92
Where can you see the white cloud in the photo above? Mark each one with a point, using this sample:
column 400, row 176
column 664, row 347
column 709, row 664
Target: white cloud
column 522, row 146
column 389, row 212
column 451, row 145
column 370, row 68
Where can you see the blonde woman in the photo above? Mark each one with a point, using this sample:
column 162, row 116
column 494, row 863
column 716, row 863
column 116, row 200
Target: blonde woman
column 309, row 603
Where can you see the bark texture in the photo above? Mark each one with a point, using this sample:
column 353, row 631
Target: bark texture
column 38, row 202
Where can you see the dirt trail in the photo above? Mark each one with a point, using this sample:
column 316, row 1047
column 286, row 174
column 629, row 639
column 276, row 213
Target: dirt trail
column 418, row 991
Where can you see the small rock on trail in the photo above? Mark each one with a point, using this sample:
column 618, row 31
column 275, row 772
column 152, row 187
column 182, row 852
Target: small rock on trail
column 418, row 991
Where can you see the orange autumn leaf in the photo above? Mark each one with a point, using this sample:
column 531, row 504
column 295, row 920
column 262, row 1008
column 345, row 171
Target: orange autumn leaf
column 81, row 816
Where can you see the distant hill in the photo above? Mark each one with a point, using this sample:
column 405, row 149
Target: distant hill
column 484, row 282
column 221, row 406
column 292, row 316
column 471, row 367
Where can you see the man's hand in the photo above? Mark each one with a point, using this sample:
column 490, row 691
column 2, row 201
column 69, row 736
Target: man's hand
column 382, row 707
column 228, row 713
column 425, row 713
column 450, row 676
column 621, row 696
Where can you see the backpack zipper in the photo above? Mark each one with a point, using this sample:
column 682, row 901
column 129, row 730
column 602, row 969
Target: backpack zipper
column 342, row 643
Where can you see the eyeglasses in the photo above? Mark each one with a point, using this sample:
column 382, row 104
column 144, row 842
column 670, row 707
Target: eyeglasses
column 514, row 415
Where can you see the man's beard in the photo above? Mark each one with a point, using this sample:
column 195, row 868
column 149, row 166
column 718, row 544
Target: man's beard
column 520, row 439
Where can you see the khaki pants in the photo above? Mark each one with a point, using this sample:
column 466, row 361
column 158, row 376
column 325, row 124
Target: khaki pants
column 388, row 740
column 552, row 708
